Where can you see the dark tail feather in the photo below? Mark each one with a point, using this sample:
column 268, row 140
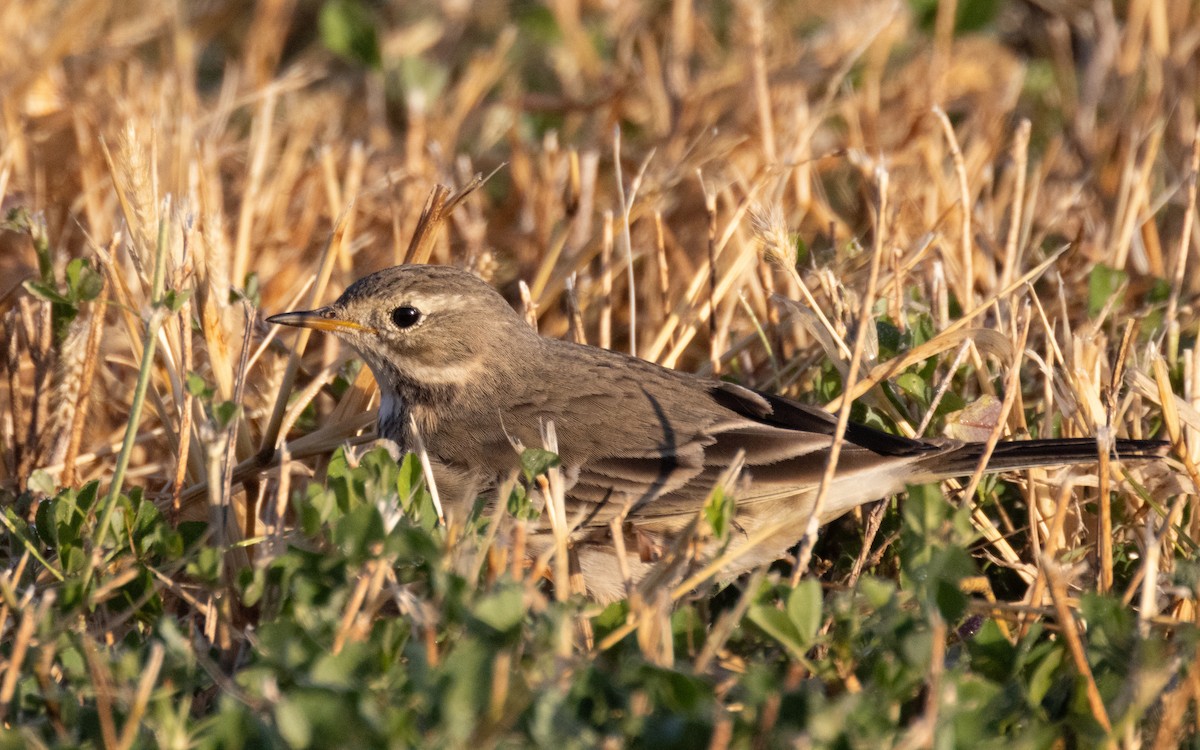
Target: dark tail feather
column 1028, row 454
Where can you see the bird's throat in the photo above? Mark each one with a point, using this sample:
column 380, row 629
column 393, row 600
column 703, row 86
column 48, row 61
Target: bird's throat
column 403, row 400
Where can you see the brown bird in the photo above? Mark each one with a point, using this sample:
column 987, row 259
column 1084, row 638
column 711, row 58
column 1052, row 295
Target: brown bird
column 478, row 382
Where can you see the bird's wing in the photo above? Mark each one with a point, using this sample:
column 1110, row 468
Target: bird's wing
column 783, row 446
column 649, row 441
column 797, row 417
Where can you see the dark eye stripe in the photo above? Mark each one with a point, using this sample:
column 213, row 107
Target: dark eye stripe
column 405, row 316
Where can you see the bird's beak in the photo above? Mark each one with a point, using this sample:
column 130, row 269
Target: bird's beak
column 321, row 320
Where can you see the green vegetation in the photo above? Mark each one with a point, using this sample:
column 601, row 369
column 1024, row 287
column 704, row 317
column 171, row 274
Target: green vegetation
column 368, row 627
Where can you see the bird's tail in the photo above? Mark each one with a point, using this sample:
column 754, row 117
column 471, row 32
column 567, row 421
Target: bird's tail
column 1015, row 455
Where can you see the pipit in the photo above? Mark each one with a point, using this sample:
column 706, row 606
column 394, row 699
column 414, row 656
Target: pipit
column 452, row 358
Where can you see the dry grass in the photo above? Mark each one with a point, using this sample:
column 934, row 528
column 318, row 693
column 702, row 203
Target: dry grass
column 656, row 174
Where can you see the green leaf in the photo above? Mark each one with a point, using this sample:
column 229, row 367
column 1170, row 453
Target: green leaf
column 73, row 560
column 502, row 610
column 1110, row 623
column 345, row 377
column 924, row 512
column 347, row 28
column 197, row 387
column 316, row 507
column 35, row 225
column 18, row 219
column 719, row 510
column 800, row 247
column 341, row 670
column 45, row 524
column 976, row 15
column 537, row 461
column 468, row 677
column 1042, row 678
column 991, row 653
column 41, row 482
column 914, row 386
column 345, row 482
column 250, row 291
column 206, row 566
column 422, row 78
column 804, row 609
column 359, row 531
column 292, row 720
column 890, row 338
column 951, row 601
column 83, row 282
column 225, row 412
column 950, row 403
column 777, row 624
column 71, row 511
column 173, row 299
column 520, row 506
column 410, row 482
column 42, row 290
column 933, row 558
column 1103, row 283
column 877, row 591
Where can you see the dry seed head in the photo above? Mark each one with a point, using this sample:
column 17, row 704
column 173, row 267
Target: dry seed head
column 771, row 231
column 484, row 265
column 135, row 166
column 64, row 387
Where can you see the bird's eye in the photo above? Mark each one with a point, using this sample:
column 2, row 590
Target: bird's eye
column 405, row 316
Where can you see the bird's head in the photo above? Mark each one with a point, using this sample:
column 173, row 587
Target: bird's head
column 425, row 324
